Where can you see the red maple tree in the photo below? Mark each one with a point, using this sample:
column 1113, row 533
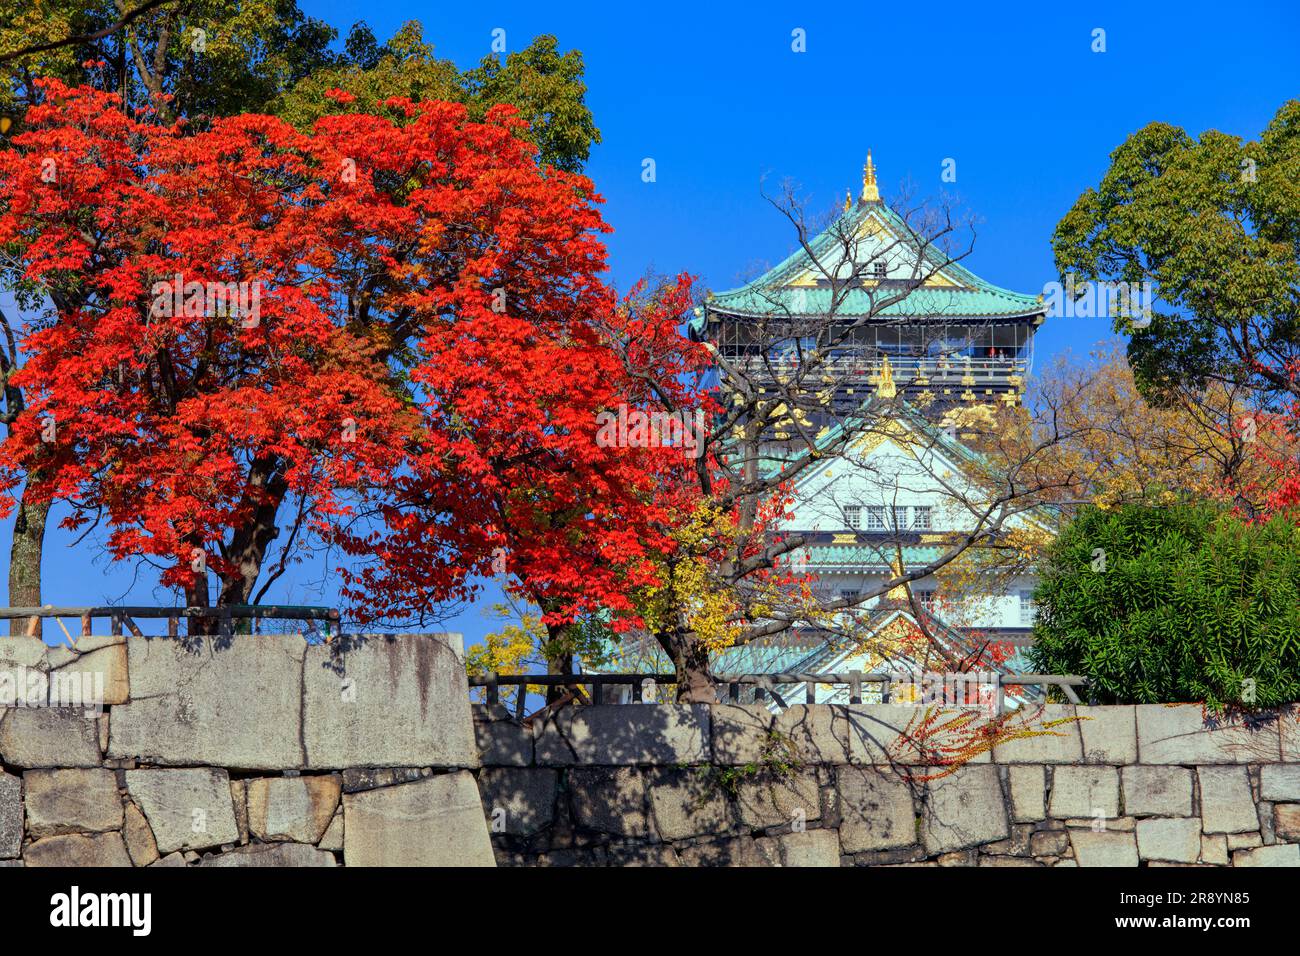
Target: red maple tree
column 412, row 371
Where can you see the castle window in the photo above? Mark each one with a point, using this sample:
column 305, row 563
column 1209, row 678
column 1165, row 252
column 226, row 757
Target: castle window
column 852, row 516
column 1028, row 610
column 921, row 517
column 875, row 518
column 878, row 270
column 900, row 517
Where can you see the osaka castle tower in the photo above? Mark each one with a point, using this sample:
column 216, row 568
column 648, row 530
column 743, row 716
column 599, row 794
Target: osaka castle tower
column 885, row 305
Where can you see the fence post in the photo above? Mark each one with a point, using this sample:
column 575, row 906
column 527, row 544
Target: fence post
column 855, row 687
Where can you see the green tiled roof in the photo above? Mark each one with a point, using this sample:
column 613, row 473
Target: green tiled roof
column 865, row 557
column 770, row 292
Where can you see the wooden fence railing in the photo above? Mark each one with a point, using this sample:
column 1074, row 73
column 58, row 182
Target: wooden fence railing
column 124, row 616
column 764, row 684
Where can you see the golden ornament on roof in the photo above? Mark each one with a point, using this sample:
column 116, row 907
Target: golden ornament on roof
column 870, row 191
column 886, row 388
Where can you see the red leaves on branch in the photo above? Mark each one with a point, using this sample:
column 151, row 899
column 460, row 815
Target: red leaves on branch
column 394, row 327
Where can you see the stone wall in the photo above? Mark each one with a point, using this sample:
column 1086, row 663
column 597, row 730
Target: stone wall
column 264, row 752
column 843, row 786
column 269, row 751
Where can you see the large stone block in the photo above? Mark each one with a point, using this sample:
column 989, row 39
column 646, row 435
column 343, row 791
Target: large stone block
column 20, row 651
column 78, row 849
column 876, row 809
column 1157, row 791
column 98, row 662
column 1109, row 734
column 742, row 733
column 333, row 838
column 436, row 821
column 687, row 802
column 292, row 808
column 187, row 809
column 49, row 737
column 521, row 798
column 1289, row 731
column 1176, row 839
column 1028, row 786
column 401, row 701
column 503, row 743
column 897, row 734
column 610, row 800
column 1281, row 854
column 1226, row 802
column 735, row 851
column 1104, row 848
column 272, row 854
column 1286, row 822
column 771, row 799
column 1085, row 791
column 821, row 733
column 1180, row 734
column 138, row 836
column 1279, row 782
column 809, row 848
column 624, row 734
column 1214, row 849
column 1055, row 737
column 11, row 815
column 1049, row 843
column 964, row 809
column 236, row 706
column 71, row 801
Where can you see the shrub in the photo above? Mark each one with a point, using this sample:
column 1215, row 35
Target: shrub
column 1178, row 604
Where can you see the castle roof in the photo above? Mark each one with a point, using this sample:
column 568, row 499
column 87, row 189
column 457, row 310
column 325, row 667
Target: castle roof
column 920, row 280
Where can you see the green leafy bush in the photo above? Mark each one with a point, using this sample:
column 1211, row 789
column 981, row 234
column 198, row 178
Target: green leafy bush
column 1179, row 604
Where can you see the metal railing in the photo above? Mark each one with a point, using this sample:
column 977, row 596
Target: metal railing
column 906, row 369
column 124, row 616
column 764, row 684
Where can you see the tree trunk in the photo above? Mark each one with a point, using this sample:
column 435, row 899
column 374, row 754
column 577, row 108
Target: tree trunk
column 559, row 658
column 25, row 552
column 196, row 595
column 695, row 682
column 249, row 544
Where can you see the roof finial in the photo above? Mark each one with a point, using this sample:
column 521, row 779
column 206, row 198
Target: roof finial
column 848, row 199
column 870, row 191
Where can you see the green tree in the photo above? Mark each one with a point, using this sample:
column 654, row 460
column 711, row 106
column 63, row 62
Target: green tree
column 1214, row 224
column 546, row 85
column 1178, row 604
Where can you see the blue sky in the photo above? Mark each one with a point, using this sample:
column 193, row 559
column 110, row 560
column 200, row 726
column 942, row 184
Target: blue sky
column 716, row 96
